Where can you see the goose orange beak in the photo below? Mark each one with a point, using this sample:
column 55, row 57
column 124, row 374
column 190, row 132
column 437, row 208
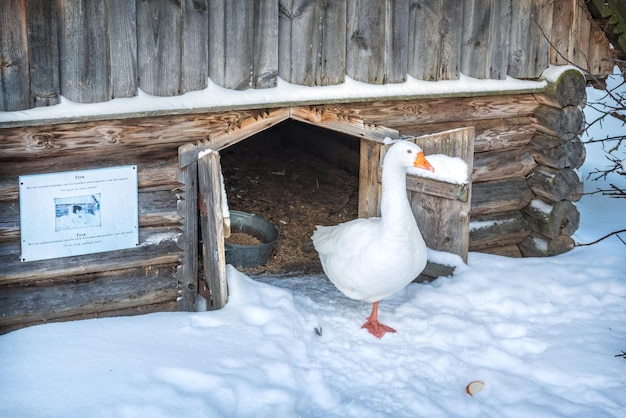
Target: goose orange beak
column 422, row 162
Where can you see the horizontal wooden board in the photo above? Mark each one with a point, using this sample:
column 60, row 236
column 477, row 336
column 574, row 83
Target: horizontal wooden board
column 491, row 134
column 440, row 110
column 157, row 246
column 88, row 295
column 500, row 196
column 502, row 164
column 492, row 231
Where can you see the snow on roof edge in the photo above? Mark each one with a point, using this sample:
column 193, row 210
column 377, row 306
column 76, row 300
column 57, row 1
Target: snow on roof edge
column 553, row 72
column 215, row 98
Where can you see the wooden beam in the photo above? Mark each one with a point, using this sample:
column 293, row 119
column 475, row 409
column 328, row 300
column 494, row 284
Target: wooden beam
column 158, row 246
column 502, row 164
column 245, row 127
column 187, row 206
column 87, row 295
column 212, row 227
column 340, row 120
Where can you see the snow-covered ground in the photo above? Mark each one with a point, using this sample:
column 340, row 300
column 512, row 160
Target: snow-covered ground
column 541, row 333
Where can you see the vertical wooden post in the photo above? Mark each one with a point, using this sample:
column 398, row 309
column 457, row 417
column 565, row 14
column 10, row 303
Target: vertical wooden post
column 369, row 184
column 212, row 227
column 187, row 272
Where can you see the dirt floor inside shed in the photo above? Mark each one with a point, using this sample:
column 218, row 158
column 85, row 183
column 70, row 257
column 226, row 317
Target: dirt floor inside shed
column 272, row 175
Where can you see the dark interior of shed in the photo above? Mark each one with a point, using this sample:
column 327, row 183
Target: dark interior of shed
column 296, row 176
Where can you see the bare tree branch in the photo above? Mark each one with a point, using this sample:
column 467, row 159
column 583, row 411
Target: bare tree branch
column 603, row 238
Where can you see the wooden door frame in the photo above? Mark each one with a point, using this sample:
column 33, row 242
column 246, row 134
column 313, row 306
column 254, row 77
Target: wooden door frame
column 199, row 168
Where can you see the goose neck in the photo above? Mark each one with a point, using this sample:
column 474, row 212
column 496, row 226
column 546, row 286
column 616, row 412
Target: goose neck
column 394, row 202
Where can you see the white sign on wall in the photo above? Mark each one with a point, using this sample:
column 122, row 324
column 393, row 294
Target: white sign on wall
column 78, row 212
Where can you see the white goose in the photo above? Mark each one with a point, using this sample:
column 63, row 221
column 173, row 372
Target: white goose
column 370, row 259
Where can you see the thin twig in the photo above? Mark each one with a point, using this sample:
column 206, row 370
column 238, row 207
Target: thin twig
column 603, row 238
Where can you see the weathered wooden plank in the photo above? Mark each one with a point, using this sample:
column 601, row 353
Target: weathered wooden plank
column 158, row 246
column 497, row 230
column 476, row 43
column 123, row 48
column 231, row 43
column 43, row 52
column 158, row 208
column 425, row 18
column 87, row 295
column 520, row 39
column 457, row 142
column 451, row 39
column 337, row 119
column 195, row 53
column 556, row 185
column 602, row 54
column 491, row 197
column 502, row 164
column 245, row 127
column 84, row 51
column 377, row 41
column 541, row 28
column 440, row 189
column 187, row 272
column 499, row 54
column 561, row 51
column 14, row 62
column 536, row 245
column 531, row 26
column 212, row 227
column 556, row 152
column 441, row 110
column 581, row 37
column 369, row 176
column 552, row 219
column 601, row 60
column 159, row 47
column 444, row 222
column 168, row 306
column 9, row 220
column 309, row 30
column 491, row 134
column 128, row 135
column 265, row 58
column 397, row 41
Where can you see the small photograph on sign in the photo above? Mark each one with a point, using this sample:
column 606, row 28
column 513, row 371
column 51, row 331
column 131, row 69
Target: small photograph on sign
column 77, row 212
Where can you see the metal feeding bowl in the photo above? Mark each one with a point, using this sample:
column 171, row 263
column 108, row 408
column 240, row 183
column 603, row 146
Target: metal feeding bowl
column 250, row 255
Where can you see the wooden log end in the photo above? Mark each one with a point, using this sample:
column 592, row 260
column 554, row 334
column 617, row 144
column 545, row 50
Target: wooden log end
column 552, row 219
column 556, row 185
column 495, row 231
column 566, row 88
column 557, row 152
column 537, row 245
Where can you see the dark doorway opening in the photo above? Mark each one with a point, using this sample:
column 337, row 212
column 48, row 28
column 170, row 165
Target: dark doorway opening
column 296, row 176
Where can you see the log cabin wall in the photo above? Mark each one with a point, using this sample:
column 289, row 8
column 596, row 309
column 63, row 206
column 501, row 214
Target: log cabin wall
column 526, row 147
column 93, row 50
column 524, row 183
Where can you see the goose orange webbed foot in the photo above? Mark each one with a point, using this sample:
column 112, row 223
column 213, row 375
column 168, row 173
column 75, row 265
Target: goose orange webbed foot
column 374, row 327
